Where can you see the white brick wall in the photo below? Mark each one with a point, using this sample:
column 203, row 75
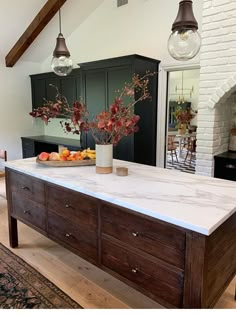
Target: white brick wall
column 217, row 81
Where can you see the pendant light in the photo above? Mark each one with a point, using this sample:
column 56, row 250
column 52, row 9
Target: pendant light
column 61, row 63
column 184, row 43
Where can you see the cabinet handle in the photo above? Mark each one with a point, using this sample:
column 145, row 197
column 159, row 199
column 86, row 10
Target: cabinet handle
column 68, row 234
column 25, row 188
column 67, row 206
column 26, row 212
column 134, row 270
column 135, row 234
column 230, row 166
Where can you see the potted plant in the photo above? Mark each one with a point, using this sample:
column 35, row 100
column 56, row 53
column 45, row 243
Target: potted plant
column 183, row 117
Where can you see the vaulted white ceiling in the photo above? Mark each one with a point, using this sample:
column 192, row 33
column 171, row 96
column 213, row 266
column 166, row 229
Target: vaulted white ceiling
column 15, row 17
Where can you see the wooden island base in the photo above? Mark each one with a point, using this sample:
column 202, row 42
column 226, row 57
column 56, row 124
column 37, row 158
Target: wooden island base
column 177, row 267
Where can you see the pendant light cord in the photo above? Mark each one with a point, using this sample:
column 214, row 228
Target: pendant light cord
column 60, row 16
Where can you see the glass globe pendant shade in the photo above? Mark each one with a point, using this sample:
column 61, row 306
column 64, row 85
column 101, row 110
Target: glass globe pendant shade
column 61, row 63
column 184, row 42
column 183, row 45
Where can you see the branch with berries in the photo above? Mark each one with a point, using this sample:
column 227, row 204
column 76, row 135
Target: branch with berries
column 109, row 126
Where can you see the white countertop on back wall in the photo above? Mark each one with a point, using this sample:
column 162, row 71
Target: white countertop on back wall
column 194, row 202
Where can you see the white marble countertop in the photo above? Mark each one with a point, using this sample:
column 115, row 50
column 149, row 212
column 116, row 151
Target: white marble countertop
column 194, row 202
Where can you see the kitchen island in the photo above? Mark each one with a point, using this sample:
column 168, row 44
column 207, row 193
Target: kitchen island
column 170, row 235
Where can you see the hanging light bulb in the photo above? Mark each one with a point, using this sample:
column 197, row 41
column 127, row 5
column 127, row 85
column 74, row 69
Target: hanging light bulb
column 61, row 63
column 184, row 43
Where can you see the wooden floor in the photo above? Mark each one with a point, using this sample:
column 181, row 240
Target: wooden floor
column 85, row 283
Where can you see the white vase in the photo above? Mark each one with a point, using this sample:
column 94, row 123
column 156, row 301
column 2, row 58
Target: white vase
column 104, row 158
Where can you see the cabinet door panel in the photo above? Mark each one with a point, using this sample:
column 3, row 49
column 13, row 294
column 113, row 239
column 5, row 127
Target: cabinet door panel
column 51, row 90
column 38, row 92
column 116, row 79
column 95, row 96
column 68, row 89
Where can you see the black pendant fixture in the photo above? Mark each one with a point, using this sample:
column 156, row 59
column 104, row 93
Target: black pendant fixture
column 61, row 63
column 184, row 42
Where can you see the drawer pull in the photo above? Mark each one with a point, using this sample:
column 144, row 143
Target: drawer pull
column 67, row 206
column 134, row 270
column 135, row 234
column 230, row 166
column 68, row 234
column 26, row 212
column 25, row 188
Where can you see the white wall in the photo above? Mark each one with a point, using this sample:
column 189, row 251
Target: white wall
column 141, row 27
column 54, row 129
column 15, row 105
column 15, row 89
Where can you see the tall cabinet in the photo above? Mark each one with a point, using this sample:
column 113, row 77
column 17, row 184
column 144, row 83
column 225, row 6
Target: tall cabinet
column 97, row 83
column 100, row 82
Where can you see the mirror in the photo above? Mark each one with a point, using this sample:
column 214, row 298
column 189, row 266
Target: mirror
column 182, row 106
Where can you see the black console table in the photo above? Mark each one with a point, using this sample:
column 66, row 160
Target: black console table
column 225, row 165
column 32, row 146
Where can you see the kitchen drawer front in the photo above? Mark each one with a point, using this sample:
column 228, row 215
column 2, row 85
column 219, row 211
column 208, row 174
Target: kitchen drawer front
column 28, row 211
column 73, row 206
column 71, row 234
column 27, row 186
column 158, row 278
column 154, row 237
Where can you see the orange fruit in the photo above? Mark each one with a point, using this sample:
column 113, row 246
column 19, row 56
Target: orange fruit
column 65, row 152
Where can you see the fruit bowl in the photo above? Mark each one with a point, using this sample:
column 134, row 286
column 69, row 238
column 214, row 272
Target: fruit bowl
column 67, row 163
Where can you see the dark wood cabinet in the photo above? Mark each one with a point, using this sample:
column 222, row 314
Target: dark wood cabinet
column 41, row 88
column 101, row 82
column 225, row 165
column 147, row 275
column 143, row 234
column 175, row 266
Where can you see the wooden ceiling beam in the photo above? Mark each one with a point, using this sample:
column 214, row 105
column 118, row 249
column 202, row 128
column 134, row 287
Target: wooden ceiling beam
column 47, row 12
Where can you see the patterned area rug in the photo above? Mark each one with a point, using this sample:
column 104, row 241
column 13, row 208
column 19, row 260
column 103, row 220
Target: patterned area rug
column 23, row 287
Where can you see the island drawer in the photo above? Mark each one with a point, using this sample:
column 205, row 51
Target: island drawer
column 28, row 211
column 161, row 240
column 71, row 234
column 73, row 205
column 158, row 278
column 27, row 186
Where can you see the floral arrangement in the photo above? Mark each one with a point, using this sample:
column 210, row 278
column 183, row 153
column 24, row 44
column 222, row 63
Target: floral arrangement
column 108, row 127
column 184, row 116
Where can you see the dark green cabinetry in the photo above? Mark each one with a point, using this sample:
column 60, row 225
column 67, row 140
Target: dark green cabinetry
column 69, row 86
column 98, row 83
column 101, row 82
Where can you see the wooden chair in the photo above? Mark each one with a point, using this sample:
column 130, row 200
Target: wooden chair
column 171, row 147
column 191, row 148
column 3, row 156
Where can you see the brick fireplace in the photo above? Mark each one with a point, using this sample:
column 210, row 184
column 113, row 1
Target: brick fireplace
column 217, row 88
